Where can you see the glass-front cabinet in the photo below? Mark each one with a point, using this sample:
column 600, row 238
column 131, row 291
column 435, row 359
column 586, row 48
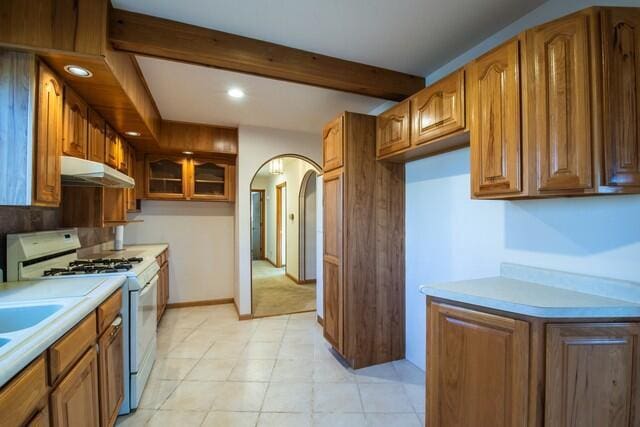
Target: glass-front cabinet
column 183, row 178
column 166, row 177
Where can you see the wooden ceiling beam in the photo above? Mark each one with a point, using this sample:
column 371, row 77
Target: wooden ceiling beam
column 151, row 36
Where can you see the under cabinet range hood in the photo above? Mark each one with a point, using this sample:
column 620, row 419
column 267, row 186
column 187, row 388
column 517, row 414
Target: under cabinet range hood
column 81, row 172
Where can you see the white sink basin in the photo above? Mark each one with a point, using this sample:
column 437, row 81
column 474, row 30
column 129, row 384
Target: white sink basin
column 15, row 318
column 3, row 341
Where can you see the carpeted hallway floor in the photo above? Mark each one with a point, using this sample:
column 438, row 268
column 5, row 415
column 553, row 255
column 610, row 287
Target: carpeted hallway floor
column 274, row 293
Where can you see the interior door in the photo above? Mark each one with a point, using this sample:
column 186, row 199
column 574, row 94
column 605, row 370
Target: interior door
column 256, row 225
column 332, row 259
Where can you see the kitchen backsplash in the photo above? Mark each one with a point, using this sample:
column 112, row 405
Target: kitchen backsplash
column 27, row 219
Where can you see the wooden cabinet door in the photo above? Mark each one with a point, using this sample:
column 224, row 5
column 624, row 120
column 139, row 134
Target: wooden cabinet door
column 123, row 155
column 439, row 109
column 592, row 375
column 166, row 177
column 333, row 144
column 75, row 128
column 111, row 147
column 111, row 372
column 74, row 402
column 160, row 294
column 392, row 129
column 496, row 145
column 23, row 395
column 96, row 137
column 131, row 192
column 332, row 257
column 477, row 368
column 41, row 419
column 621, row 95
column 48, row 139
column 560, row 79
column 208, row 180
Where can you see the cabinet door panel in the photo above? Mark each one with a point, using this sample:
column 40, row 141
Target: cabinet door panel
column 96, row 142
column 75, row 402
column 123, row 155
column 477, row 368
column 111, row 148
column 49, row 139
column 209, row 180
column 560, row 57
column 438, row 110
column 496, row 146
column 393, row 129
column 333, row 278
column 166, row 177
column 593, row 372
column 75, row 129
column 332, row 143
column 621, row 119
column 111, row 372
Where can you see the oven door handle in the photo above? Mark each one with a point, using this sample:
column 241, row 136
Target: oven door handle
column 152, row 283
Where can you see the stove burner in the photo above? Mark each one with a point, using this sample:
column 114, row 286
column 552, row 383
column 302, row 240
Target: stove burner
column 95, row 266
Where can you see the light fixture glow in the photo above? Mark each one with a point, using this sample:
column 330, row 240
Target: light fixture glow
column 188, row 153
column 132, row 133
column 275, row 167
column 78, row 71
column 235, row 93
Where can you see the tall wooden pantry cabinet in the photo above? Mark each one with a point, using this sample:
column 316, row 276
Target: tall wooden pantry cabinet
column 363, row 256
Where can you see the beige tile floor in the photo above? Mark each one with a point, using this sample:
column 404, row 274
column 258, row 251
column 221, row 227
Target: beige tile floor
column 213, row 370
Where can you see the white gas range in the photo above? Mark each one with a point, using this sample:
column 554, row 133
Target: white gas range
column 52, row 255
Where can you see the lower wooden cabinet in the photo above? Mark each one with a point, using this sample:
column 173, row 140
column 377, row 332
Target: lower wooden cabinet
column 163, row 282
column 498, row 369
column 74, row 402
column 41, row 419
column 24, row 398
column 110, row 369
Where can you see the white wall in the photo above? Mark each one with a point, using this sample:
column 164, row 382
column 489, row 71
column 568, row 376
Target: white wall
column 200, row 237
column 311, row 214
column 255, row 147
column 319, row 247
column 451, row 237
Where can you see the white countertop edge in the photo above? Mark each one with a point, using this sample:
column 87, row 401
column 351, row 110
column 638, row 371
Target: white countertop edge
column 546, row 312
column 33, row 346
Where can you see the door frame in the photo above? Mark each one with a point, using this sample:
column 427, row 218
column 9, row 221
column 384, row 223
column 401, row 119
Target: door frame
column 279, row 225
column 302, row 227
column 262, row 223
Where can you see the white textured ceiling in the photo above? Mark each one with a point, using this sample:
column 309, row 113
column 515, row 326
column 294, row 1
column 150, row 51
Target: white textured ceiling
column 413, row 36
column 197, row 94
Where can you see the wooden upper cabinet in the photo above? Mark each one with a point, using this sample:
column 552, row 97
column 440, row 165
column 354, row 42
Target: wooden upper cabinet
column 333, row 144
column 131, row 192
column 621, row 88
column 75, row 128
column 166, row 177
column 209, row 180
column 75, row 402
column 111, row 147
column 592, row 377
column 332, row 259
column 439, row 109
column 48, row 138
column 96, row 137
column 559, row 99
column 123, row 156
column 496, row 142
column 478, row 368
column 393, row 129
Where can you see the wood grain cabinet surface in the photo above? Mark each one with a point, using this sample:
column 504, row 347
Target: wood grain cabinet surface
column 110, row 364
column 75, row 130
column 25, row 396
column 96, row 138
column 132, row 205
column 621, row 90
column 163, row 282
column 111, row 147
column 363, row 245
column 48, row 138
column 496, row 140
column 394, row 129
column 332, row 144
column 490, row 368
column 439, row 109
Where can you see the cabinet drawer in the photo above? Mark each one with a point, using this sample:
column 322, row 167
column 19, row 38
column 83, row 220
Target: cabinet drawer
column 23, row 396
column 70, row 347
column 109, row 310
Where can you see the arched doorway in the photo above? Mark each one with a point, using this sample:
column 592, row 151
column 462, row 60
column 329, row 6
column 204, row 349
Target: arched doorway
column 282, row 215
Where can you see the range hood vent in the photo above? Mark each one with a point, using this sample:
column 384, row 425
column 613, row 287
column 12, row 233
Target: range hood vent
column 81, row 172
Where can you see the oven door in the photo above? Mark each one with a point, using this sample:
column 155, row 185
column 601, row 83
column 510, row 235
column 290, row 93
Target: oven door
column 144, row 309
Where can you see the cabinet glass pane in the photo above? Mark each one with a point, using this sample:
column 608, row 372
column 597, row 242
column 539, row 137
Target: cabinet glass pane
column 165, row 176
column 209, row 179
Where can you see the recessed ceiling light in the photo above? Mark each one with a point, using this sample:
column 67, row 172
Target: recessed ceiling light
column 235, row 93
column 188, row 153
column 132, row 133
column 78, row 71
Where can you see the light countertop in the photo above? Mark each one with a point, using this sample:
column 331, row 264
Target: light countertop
column 544, row 293
column 75, row 298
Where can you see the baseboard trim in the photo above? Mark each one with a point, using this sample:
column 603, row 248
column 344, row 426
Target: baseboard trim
column 200, row 303
column 283, row 314
column 307, row 282
column 241, row 316
column 320, row 320
column 271, row 262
